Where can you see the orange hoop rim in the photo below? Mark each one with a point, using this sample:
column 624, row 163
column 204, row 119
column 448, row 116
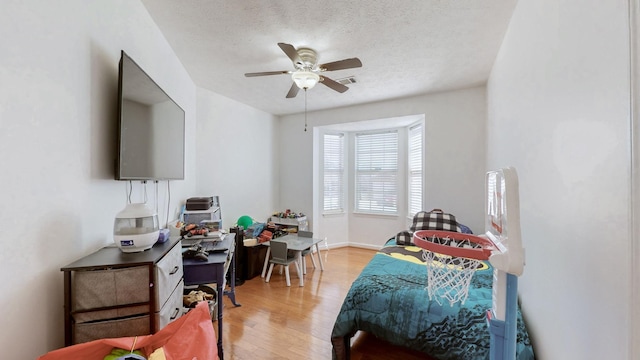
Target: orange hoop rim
column 482, row 253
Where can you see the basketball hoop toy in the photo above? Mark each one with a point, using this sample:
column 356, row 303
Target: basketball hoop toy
column 452, row 258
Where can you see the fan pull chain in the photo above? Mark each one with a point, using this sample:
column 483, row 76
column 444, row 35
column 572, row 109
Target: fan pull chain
column 305, row 109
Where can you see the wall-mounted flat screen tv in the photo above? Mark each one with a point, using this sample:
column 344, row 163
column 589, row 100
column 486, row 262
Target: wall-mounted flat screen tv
column 151, row 128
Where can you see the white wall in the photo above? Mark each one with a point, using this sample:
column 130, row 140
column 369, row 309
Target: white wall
column 558, row 110
column 58, row 123
column 455, row 125
column 236, row 157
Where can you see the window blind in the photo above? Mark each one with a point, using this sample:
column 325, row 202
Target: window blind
column 415, row 170
column 333, row 173
column 376, row 158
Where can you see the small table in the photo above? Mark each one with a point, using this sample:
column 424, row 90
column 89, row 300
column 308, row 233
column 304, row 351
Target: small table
column 298, row 244
column 198, row 272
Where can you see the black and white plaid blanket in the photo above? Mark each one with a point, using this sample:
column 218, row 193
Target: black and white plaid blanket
column 428, row 220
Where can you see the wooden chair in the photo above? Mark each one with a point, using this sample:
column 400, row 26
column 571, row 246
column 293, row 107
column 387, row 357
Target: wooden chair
column 280, row 256
column 309, row 251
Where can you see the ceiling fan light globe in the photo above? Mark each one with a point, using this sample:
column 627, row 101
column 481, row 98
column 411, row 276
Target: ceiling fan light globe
column 305, row 79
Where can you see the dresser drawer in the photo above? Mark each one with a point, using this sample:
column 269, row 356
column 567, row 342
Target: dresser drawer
column 100, row 315
column 113, row 287
column 172, row 309
column 130, row 326
column 129, row 321
column 168, row 275
column 109, row 287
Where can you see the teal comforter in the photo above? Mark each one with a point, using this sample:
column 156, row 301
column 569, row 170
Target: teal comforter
column 389, row 300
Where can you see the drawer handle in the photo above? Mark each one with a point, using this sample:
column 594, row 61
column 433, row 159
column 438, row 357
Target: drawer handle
column 175, row 270
column 175, row 315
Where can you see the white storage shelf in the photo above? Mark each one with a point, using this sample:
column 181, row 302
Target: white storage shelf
column 299, row 223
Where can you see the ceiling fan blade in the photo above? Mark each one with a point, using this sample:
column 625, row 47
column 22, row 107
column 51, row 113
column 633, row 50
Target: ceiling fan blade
column 341, row 64
column 291, row 52
column 333, row 84
column 293, row 91
column 267, row 73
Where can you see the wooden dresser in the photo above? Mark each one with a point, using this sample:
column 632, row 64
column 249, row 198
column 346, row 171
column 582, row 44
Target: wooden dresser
column 114, row 294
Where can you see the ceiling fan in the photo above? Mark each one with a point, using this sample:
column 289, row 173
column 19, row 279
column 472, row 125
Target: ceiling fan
column 307, row 71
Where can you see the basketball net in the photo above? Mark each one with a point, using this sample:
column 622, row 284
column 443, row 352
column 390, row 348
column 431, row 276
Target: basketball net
column 449, row 275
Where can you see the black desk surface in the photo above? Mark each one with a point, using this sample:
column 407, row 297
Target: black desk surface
column 214, row 257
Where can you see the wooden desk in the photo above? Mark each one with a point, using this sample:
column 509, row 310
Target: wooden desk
column 297, row 244
column 214, row 270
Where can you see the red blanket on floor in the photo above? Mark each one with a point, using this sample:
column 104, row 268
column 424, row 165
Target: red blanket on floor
column 188, row 337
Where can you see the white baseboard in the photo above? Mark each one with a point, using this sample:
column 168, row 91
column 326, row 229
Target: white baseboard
column 352, row 244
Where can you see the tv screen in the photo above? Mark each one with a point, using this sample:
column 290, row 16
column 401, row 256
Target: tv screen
column 151, row 128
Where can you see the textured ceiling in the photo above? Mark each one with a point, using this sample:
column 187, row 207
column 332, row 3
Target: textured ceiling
column 407, row 47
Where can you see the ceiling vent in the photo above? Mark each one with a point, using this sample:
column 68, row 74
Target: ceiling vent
column 347, row 80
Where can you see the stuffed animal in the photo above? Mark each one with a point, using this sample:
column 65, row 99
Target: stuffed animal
column 194, row 297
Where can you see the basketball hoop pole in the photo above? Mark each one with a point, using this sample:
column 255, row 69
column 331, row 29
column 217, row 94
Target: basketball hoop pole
column 504, row 332
column 502, row 219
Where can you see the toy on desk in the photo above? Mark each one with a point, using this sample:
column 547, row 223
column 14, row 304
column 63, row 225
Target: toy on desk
column 193, row 229
column 265, row 236
column 177, row 224
column 163, row 236
column 196, row 252
column 245, row 221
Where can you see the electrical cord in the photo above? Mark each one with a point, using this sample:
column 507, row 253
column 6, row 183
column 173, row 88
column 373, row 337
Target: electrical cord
column 168, row 200
column 146, row 198
column 130, row 191
column 155, row 183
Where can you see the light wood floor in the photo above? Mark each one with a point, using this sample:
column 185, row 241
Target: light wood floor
column 280, row 322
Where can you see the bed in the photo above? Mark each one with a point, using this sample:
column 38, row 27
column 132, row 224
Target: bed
column 389, row 300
